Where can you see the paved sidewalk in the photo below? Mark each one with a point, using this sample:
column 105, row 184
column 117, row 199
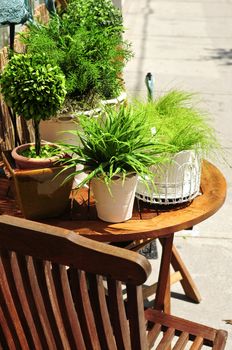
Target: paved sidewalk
column 188, row 45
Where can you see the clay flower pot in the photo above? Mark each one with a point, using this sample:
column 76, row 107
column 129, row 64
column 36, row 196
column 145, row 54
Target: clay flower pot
column 33, row 163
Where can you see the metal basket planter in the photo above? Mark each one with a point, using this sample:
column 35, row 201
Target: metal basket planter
column 175, row 182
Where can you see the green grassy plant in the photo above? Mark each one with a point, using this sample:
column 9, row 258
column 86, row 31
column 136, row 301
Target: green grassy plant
column 179, row 122
column 117, row 142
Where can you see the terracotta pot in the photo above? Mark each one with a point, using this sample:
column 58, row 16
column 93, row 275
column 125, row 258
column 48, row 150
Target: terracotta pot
column 32, row 163
column 116, row 205
column 40, row 193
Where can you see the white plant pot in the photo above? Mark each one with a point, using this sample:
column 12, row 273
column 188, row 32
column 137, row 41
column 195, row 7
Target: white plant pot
column 116, row 206
column 175, row 182
column 56, row 129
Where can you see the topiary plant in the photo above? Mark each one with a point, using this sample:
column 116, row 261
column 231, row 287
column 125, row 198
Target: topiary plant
column 33, row 88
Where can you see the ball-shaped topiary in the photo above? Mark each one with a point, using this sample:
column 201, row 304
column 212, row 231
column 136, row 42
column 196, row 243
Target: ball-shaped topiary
column 33, row 88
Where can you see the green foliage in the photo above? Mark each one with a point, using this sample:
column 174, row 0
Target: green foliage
column 32, row 86
column 117, row 142
column 180, row 123
column 47, row 151
column 101, row 13
column 89, row 49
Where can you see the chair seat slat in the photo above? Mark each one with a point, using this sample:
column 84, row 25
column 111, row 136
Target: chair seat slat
column 165, row 342
column 153, row 334
column 197, row 343
column 182, row 341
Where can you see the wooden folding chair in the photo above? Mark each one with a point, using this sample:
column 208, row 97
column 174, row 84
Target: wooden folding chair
column 52, row 296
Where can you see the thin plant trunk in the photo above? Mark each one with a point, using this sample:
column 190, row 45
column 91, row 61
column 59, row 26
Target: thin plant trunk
column 37, row 137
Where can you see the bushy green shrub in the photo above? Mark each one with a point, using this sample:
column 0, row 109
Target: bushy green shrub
column 33, row 88
column 89, row 49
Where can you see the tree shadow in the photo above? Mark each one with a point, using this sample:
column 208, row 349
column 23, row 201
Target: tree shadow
column 223, row 55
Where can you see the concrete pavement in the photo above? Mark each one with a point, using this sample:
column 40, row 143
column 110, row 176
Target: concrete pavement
column 188, row 45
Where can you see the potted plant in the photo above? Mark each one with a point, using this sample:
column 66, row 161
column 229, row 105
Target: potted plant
column 35, row 90
column 176, row 119
column 115, row 148
column 86, row 42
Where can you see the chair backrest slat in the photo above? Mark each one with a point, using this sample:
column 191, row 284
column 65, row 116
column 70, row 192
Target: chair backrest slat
column 79, row 288
column 10, row 306
column 135, row 314
column 39, row 298
column 118, row 314
column 67, row 307
column 20, row 276
column 100, row 310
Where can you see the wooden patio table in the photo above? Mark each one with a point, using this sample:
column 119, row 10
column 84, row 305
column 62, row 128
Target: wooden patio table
column 149, row 222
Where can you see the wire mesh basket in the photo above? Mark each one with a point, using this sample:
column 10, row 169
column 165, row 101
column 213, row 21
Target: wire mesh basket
column 175, row 182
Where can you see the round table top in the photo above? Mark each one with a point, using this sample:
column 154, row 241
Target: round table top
column 151, row 221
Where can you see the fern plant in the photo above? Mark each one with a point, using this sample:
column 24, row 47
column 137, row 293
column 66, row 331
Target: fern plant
column 117, row 142
column 89, row 49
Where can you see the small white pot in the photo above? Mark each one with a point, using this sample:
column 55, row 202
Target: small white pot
column 116, row 206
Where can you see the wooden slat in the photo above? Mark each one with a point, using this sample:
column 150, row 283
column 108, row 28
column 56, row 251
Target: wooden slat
column 80, row 294
column 166, row 340
column 39, row 303
column 182, row 341
column 52, row 307
column 153, row 334
column 135, row 314
column 101, row 315
column 197, row 343
column 67, row 307
column 8, row 293
column 118, row 315
column 32, row 326
column 8, row 334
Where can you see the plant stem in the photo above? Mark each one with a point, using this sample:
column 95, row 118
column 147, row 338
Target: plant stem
column 37, row 137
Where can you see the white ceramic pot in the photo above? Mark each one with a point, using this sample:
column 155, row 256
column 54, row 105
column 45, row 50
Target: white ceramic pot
column 177, row 181
column 116, row 206
column 56, row 129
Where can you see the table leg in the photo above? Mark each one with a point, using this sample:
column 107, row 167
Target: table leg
column 162, row 298
column 187, row 282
